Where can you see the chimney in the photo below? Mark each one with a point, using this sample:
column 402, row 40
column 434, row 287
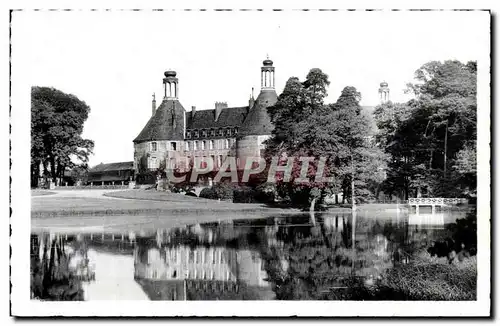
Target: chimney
column 154, row 105
column 193, row 111
column 251, row 102
column 218, row 108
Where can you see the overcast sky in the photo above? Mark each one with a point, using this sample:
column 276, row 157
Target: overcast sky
column 114, row 61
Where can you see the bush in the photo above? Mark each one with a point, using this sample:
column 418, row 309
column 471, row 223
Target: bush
column 145, row 179
column 244, row 194
column 220, row 191
column 421, row 280
column 208, row 193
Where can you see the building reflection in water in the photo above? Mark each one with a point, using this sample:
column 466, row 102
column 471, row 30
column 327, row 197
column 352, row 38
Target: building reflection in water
column 242, row 259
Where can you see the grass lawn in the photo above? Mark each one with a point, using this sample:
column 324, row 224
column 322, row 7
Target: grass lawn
column 39, row 192
column 172, row 210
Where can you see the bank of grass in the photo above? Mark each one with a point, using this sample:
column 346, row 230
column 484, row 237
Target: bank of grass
column 430, row 280
column 154, row 195
column 38, row 192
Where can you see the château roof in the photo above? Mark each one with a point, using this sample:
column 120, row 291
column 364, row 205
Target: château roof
column 229, row 117
column 258, row 121
column 166, row 124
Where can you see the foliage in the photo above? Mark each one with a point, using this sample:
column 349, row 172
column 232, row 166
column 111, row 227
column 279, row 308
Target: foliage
column 57, row 122
column 339, row 133
column 421, row 280
column 431, row 138
column 51, row 278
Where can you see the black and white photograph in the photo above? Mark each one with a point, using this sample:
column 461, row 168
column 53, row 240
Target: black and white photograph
column 211, row 163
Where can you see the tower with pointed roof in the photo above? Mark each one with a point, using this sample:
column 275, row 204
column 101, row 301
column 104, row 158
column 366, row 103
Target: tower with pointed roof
column 257, row 126
column 157, row 144
column 173, row 137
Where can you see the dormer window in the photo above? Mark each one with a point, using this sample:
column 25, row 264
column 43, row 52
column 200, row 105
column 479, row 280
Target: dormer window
column 221, row 133
column 212, row 133
column 196, row 134
column 228, row 132
column 188, row 134
column 235, row 131
column 154, row 146
column 204, row 133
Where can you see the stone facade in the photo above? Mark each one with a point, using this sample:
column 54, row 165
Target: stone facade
column 173, row 137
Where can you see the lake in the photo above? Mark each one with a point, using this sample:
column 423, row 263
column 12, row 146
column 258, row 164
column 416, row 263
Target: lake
column 295, row 257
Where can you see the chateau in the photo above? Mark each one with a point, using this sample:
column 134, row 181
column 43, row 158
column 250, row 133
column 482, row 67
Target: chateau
column 173, row 137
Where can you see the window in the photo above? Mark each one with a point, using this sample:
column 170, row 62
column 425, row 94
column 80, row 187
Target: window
column 154, row 147
column 212, row 144
column 204, row 133
column 195, row 145
column 235, row 131
column 203, row 143
column 228, row 132
column 152, row 163
column 212, row 133
column 226, row 143
column 188, row 134
column 173, row 146
column 187, row 146
column 196, row 134
column 220, row 132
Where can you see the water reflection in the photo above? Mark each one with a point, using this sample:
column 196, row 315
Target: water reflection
column 286, row 257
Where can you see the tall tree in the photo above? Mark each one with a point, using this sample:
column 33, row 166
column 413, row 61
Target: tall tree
column 57, row 122
column 428, row 133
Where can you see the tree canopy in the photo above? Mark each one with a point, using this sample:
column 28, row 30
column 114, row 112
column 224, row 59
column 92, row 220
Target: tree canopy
column 339, row 133
column 57, row 122
column 432, row 138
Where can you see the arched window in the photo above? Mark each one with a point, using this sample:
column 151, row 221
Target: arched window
column 212, row 144
column 187, row 146
column 195, row 145
column 226, row 143
column 203, row 145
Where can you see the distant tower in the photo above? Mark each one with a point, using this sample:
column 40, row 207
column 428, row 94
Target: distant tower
column 170, row 83
column 267, row 75
column 383, row 92
column 153, row 105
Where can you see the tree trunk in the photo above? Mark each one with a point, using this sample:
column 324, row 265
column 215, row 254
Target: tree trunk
column 53, row 174
column 445, row 148
column 311, row 211
column 353, row 201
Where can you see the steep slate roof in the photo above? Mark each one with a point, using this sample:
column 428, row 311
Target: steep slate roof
column 229, row 117
column 161, row 127
column 113, row 167
column 258, row 121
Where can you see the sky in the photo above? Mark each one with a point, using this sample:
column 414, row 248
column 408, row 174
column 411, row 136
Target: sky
column 115, row 60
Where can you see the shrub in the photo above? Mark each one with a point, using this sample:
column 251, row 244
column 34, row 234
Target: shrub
column 423, row 280
column 244, row 194
column 208, row 193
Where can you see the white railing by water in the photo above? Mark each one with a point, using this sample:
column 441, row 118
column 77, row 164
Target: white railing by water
column 436, row 201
